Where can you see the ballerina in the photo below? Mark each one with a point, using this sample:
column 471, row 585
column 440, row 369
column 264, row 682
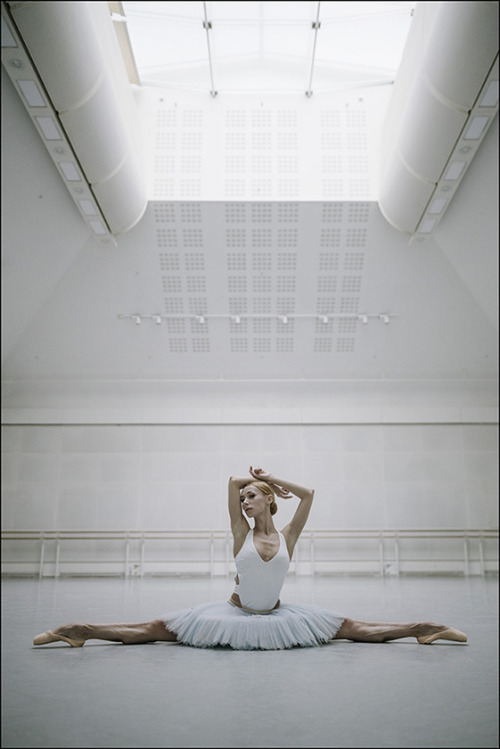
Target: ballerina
column 254, row 618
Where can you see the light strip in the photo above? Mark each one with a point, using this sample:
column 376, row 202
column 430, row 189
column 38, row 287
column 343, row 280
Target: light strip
column 48, row 128
column 427, row 226
column 454, row 170
column 98, row 227
column 490, row 98
column 473, row 132
column 70, row 171
column 88, row 207
column 7, row 38
column 31, row 93
column 476, row 127
column 437, row 205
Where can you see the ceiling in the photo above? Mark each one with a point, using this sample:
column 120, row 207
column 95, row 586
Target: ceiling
column 245, row 234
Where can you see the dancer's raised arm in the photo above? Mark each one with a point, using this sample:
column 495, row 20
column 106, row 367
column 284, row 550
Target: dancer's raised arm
column 285, row 489
column 239, row 524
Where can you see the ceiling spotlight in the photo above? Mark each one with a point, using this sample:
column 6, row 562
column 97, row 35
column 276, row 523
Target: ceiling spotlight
column 137, row 319
column 157, row 319
column 283, row 319
column 236, row 319
column 363, row 318
column 384, row 318
column 323, row 319
column 200, row 319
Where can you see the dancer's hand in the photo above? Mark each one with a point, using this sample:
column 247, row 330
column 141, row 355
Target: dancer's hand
column 261, row 475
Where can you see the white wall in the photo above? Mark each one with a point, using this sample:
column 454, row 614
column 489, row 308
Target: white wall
column 175, row 476
column 156, row 455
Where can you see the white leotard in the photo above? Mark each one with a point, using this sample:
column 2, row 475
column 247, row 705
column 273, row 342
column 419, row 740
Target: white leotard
column 259, row 583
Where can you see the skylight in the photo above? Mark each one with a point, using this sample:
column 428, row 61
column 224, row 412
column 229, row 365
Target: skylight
column 267, row 47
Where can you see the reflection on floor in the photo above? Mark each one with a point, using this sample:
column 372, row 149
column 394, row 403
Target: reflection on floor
column 344, row 694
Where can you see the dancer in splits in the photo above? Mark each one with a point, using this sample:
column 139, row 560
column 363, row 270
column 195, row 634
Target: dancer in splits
column 254, row 617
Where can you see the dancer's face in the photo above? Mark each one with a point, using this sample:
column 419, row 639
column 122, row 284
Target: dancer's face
column 254, row 501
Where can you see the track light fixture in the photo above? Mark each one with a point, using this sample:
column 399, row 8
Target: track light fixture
column 364, row 318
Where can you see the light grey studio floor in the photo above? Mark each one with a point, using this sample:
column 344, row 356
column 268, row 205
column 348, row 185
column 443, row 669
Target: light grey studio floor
column 344, row 694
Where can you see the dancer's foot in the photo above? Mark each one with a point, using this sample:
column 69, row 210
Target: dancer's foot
column 48, row 636
column 74, row 634
column 444, row 634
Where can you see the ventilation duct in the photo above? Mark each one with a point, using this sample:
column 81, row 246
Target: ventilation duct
column 77, row 62
column 446, row 87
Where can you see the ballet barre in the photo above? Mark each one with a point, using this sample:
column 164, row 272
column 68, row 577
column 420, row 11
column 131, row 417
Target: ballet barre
column 209, row 552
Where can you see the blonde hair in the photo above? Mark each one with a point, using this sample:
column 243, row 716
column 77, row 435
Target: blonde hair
column 265, row 488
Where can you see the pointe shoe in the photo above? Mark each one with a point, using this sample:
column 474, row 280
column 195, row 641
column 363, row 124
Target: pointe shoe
column 49, row 636
column 445, row 634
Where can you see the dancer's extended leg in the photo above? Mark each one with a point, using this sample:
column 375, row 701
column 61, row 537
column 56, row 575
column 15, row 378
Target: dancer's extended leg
column 129, row 634
column 425, row 632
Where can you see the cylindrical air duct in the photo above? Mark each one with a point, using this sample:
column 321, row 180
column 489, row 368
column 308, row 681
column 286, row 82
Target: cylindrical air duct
column 80, row 79
column 448, row 55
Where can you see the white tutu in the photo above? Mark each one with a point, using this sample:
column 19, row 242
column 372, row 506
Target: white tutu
column 221, row 623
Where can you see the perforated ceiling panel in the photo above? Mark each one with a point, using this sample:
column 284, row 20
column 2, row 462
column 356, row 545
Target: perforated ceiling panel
column 259, row 254
column 264, row 148
column 265, row 277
